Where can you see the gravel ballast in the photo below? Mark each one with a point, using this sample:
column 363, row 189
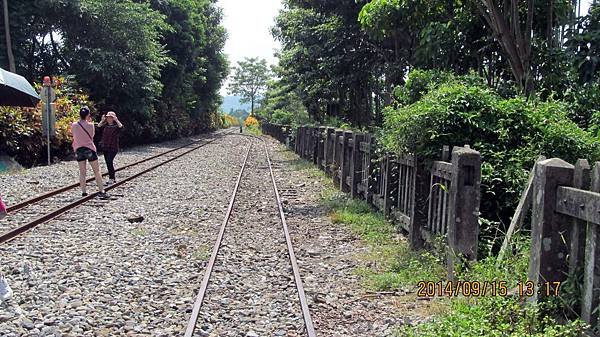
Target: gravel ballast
column 132, row 265
column 91, row 272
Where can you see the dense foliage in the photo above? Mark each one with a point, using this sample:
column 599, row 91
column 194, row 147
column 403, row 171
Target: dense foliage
column 20, row 128
column 229, row 121
column 158, row 64
column 509, row 133
column 345, row 58
column 281, row 104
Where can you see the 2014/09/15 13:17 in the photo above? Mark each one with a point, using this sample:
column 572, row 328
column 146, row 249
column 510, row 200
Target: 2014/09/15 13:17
column 485, row 288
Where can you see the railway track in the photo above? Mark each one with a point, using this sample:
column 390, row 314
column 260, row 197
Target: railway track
column 58, row 196
column 241, row 228
column 293, row 302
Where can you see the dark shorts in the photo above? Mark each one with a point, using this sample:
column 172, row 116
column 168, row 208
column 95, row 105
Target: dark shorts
column 84, row 153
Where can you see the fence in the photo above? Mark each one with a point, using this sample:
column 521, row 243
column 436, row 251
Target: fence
column 442, row 198
column 564, row 239
column 283, row 133
column 423, row 200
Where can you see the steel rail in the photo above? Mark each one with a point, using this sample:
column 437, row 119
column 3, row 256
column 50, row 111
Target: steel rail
column 60, row 190
column 13, row 233
column 310, row 329
column 189, row 332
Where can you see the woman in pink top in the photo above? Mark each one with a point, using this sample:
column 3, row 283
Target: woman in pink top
column 83, row 144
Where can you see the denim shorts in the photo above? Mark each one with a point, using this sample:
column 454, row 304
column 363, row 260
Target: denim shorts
column 84, row 153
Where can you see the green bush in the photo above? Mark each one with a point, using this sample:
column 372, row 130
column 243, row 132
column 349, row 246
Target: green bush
column 509, row 134
column 420, row 82
column 294, row 117
column 21, row 128
column 595, row 125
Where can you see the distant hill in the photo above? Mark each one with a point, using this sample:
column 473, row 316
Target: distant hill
column 233, row 102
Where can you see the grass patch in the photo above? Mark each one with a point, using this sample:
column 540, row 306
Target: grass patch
column 201, row 253
column 509, row 315
column 298, row 164
column 495, row 316
column 391, row 264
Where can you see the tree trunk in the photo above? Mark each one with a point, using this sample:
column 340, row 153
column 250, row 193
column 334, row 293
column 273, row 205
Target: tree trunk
column 11, row 57
column 515, row 42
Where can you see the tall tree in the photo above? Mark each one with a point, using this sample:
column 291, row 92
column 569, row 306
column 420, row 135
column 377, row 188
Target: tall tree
column 329, row 59
column 11, row 57
column 159, row 63
column 250, row 80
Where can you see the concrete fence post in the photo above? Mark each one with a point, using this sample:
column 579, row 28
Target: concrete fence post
column 370, row 168
column 356, row 169
column 338, row 152
column 420, row 201
column 389, row 181
column 329, row 149
column 321, row 146
column 463, row 210
column 590, row 296
column 298, row 141
column 549, row 229
column 314, row 143
column 581, row 180
column 345, row 164
column 307, row 143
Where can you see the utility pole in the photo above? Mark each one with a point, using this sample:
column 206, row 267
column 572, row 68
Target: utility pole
column 48, row 97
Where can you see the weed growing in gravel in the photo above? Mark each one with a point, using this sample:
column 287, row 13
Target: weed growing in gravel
column 139, row 231
column 202, row 253
column 298, row 164
column 495, row 316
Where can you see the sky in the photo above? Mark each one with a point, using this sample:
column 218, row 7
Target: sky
column 585, row 6
column 248, row 24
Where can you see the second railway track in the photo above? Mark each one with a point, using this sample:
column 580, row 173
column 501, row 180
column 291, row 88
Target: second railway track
column 252, row 285
column 57, row 201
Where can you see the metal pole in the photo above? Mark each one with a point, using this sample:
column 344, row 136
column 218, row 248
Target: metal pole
column 48, row 113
